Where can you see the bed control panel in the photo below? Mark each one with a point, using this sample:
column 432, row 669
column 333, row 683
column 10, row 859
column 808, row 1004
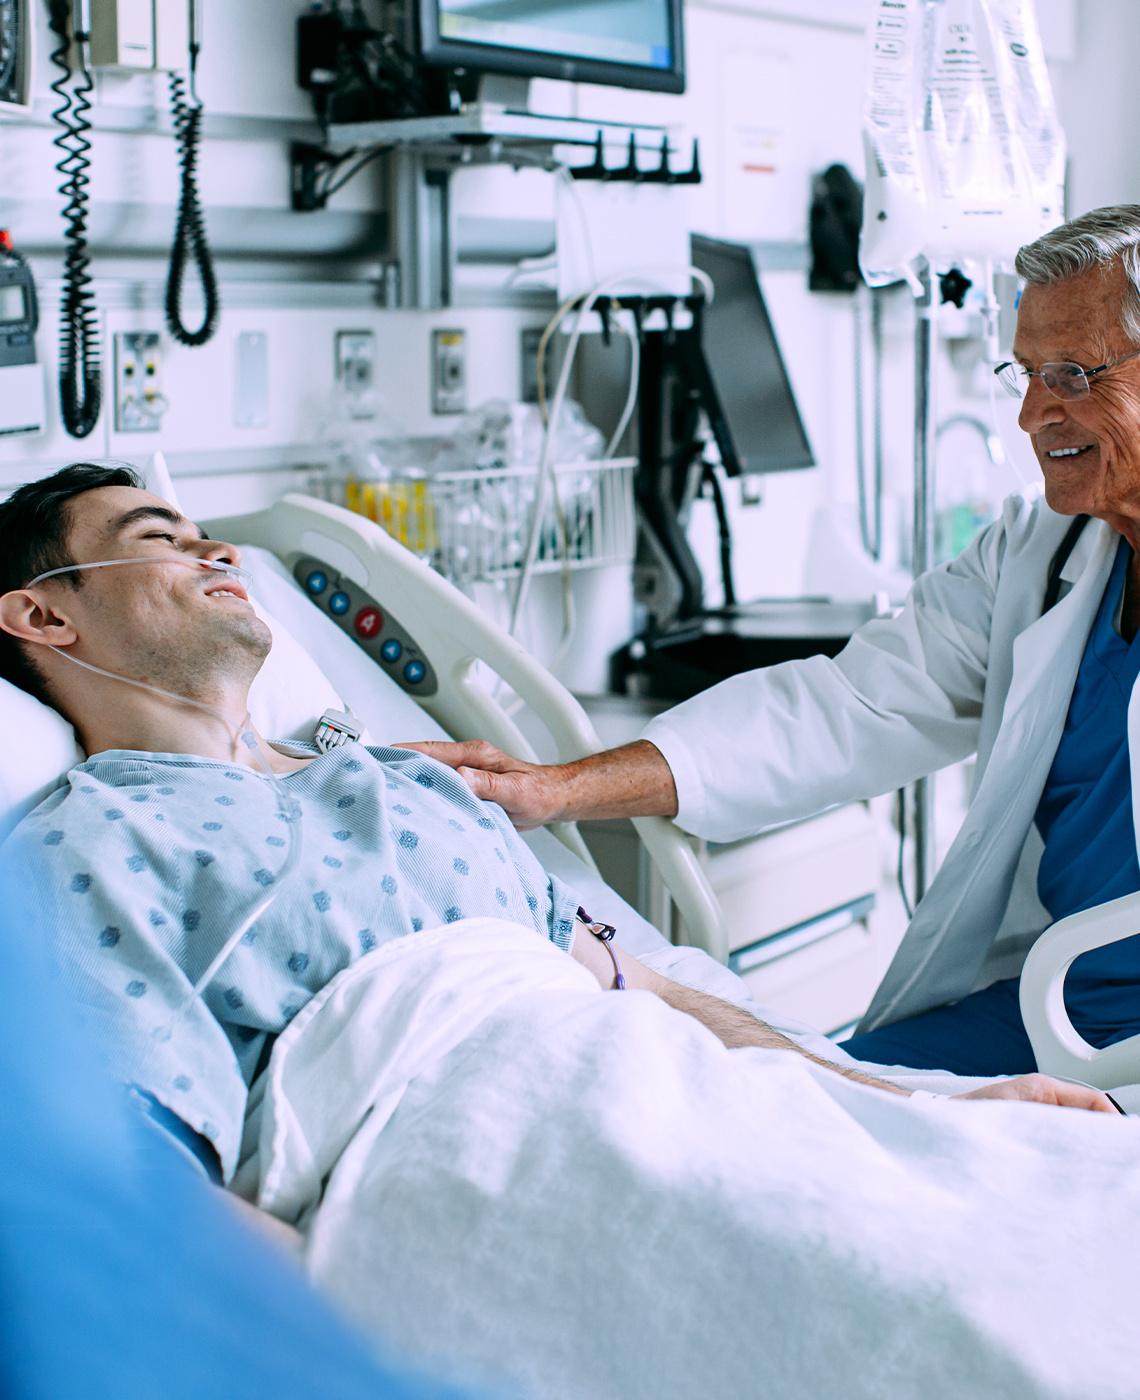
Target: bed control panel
column 368, row 624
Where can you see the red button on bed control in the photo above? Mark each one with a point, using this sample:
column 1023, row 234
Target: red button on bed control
column 369, row 622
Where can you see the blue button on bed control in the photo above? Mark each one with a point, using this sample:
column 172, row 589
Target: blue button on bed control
column 392, row 651
column 339, row 603
column 317, row 582
column 414, row 672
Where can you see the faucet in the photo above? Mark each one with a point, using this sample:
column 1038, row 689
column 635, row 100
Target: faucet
column 989, row 437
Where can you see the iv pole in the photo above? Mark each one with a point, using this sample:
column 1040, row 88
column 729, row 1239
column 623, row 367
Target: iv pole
column 922, row 550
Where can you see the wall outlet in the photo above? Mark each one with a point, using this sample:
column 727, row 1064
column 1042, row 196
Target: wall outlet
column 448, row 372
column 355, row 359
column 355, row 362
column 139, row 404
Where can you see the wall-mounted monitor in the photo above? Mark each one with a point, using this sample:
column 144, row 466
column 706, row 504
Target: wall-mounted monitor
column 747, row 368
column 623, row 43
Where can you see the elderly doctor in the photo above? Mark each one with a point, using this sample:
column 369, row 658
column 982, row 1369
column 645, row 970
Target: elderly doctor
column 1023, row 650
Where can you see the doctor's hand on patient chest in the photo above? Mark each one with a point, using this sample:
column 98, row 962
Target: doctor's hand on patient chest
column 633, row 781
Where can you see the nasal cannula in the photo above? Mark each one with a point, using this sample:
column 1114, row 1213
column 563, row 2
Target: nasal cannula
column 290, row 810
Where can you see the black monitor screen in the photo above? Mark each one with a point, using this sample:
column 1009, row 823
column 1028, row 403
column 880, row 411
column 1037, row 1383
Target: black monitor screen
column 632, row 42
column 12, row 304
column 746, row 365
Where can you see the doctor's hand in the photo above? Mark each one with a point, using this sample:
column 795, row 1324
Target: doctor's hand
column 1040, row 1088
column 529, row 793
column 633, row 781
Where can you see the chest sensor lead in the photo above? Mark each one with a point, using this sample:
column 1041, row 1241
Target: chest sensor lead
column 337, row 727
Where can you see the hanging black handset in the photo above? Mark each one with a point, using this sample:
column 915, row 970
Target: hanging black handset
column 190, row 229
column 80, row 375
column 835, row 220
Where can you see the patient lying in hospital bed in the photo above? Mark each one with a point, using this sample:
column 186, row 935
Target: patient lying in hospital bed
column 457, row 1080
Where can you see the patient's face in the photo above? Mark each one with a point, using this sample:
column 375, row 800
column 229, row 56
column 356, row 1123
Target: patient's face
column 182, row 628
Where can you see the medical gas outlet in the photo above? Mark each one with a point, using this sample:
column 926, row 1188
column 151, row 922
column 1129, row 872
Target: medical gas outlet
column 139, row 403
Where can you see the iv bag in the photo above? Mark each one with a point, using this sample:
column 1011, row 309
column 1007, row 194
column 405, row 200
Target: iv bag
column 965, row 155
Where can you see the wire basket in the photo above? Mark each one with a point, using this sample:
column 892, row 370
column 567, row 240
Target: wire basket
column 473, row 525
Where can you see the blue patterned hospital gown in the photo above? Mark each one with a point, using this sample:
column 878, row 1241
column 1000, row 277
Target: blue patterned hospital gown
column 143, row 864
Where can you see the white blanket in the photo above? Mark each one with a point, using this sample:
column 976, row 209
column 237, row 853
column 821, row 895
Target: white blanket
column 583, row 1194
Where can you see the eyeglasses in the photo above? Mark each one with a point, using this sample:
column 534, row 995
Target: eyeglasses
column 1064, row 381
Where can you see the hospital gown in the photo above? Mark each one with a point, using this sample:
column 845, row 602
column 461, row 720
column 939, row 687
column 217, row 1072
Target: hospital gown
column 142, row 865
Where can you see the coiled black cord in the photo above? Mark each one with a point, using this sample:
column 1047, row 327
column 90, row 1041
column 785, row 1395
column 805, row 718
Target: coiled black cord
column 190, row 229
column 80, row 373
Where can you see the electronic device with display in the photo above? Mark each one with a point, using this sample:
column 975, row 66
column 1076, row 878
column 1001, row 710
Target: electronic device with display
column 21, row 379
column 747, row 368
column 630, row 43
column 17, row 55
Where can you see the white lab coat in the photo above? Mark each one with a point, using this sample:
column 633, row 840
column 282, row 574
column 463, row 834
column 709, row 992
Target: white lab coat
column 969, row 665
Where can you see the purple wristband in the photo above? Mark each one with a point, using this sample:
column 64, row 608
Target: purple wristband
column 605, row 933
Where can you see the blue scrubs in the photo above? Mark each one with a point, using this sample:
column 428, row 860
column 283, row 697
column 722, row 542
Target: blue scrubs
column 1085, row 820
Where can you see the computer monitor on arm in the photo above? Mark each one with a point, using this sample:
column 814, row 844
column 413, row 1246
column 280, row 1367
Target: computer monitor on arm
column 622, row 43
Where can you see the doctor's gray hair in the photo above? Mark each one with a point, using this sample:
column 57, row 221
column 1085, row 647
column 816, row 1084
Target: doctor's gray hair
column 1095, row 240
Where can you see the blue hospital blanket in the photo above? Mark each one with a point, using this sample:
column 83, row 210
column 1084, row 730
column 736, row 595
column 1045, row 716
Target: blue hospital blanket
column 143, row 864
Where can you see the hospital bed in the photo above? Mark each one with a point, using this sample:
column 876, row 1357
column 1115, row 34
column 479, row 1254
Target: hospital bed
column 360, row 620
column 380, row 577
column 430, row 642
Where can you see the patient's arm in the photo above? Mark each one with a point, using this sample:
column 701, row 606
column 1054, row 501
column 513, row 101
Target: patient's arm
column 728, row 1023
column 738, row 1028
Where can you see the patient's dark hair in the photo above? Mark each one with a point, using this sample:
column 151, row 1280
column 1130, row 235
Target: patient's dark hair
column 35, row 531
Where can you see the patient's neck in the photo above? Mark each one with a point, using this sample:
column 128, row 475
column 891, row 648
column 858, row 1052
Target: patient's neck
column 113, row 715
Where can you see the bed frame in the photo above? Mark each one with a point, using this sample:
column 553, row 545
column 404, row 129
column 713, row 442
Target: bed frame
column 454, row 637
column 1058, row 1048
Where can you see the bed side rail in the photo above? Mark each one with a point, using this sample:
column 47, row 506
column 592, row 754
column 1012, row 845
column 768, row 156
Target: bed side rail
column 1057, row 1046
column 454, row 635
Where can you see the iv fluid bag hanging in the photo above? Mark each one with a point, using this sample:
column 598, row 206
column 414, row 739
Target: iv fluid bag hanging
column 965, row 155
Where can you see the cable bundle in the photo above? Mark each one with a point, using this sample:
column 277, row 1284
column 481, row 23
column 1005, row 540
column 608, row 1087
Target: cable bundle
column 80, row 374
column 190, row 227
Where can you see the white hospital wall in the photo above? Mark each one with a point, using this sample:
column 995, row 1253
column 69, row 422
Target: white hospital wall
column 1096, row 98
column 773, row 94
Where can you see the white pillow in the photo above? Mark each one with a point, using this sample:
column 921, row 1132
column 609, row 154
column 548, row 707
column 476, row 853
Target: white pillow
column 290, row 692
column 390, row 713
column 38, row 746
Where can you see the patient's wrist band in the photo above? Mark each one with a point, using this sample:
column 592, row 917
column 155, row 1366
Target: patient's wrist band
column 605, row 933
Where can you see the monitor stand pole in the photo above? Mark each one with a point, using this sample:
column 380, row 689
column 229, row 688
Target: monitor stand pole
column 675, row 386
column 922, row 553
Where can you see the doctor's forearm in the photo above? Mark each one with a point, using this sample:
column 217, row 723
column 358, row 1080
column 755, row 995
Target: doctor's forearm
column 633, row 781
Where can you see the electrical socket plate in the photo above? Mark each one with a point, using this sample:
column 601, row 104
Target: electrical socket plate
column 141, row 36
column 138, row 382
column 355, row 359
column 448, row 371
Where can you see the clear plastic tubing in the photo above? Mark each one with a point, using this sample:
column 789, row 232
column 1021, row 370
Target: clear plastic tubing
column 289, row 809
